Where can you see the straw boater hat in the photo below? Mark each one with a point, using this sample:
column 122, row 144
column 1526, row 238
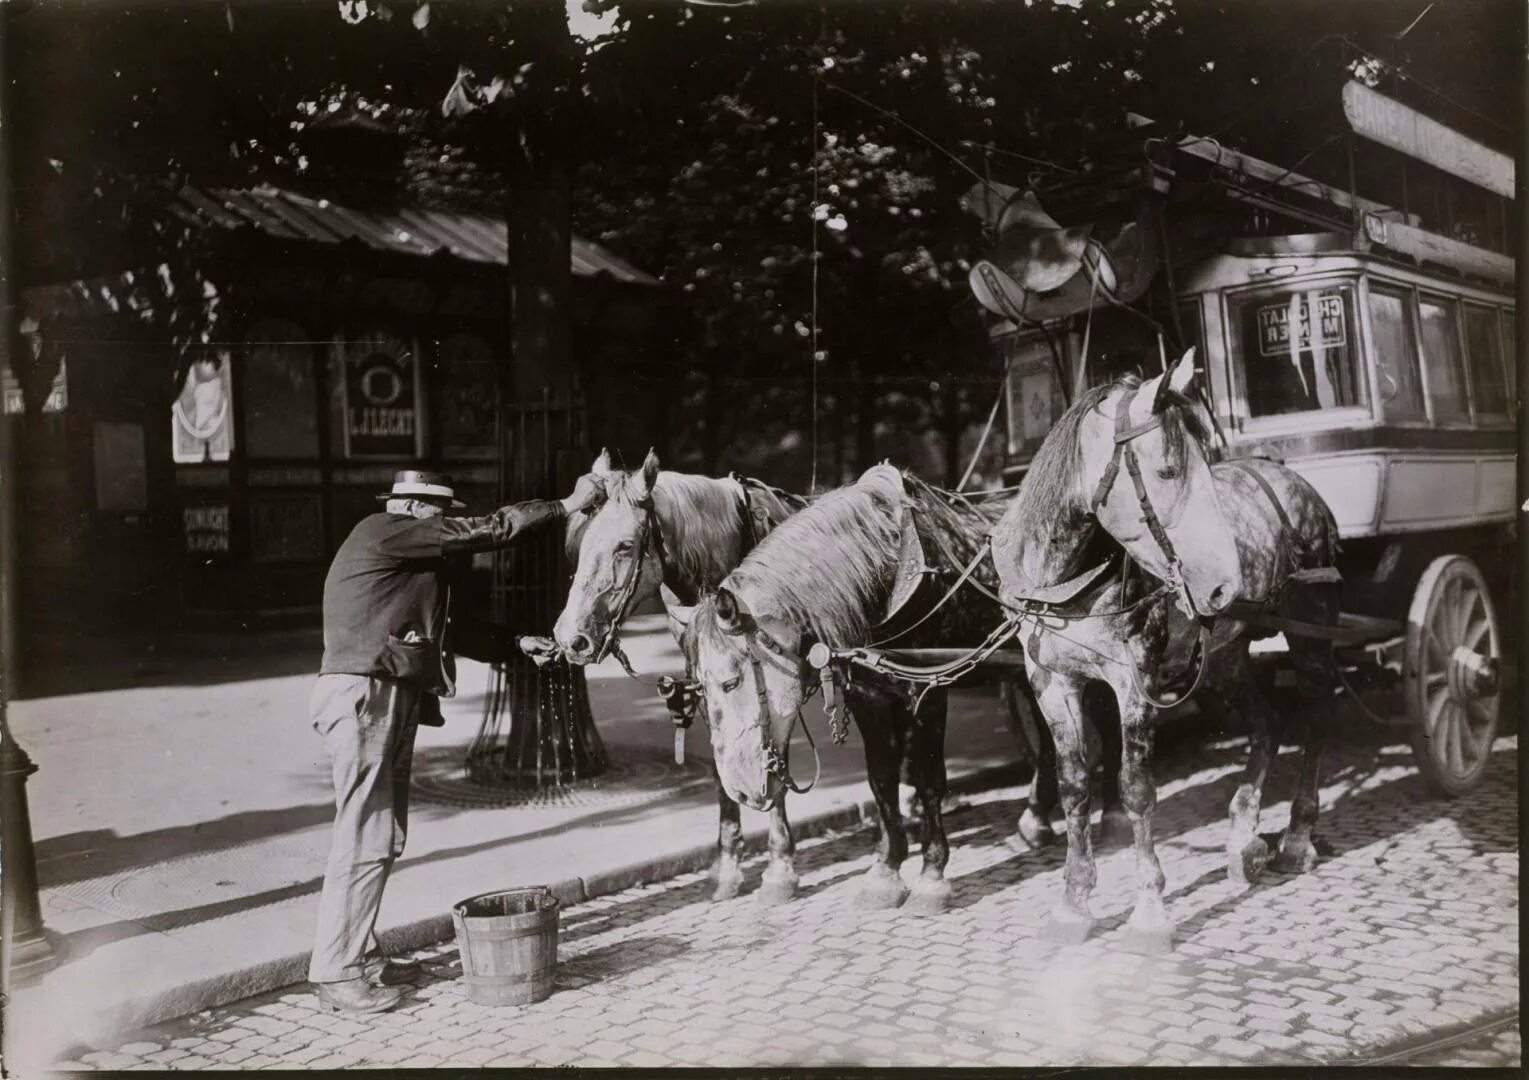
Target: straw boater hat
column 420, row 484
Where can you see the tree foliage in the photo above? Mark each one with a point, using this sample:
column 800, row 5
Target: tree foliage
column 770, row 161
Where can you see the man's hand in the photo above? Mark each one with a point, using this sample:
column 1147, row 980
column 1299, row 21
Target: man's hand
column 586, row 493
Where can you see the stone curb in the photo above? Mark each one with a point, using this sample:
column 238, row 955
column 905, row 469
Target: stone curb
column 260, row 978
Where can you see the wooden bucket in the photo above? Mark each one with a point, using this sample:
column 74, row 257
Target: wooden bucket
column 508, row 944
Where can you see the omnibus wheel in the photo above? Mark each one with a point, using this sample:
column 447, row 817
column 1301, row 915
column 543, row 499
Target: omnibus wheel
column 1452, row 677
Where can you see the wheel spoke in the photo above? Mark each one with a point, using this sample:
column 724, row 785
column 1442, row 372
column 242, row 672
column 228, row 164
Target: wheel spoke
column 1432, row 680
column 1483, row 715
column 1451, row 605
column 1435, row 647
column 1467, row 601
column 1475, row 632
column 1456, row 759
column 1471, row 740
column 1436, row 706
column 1468, row 614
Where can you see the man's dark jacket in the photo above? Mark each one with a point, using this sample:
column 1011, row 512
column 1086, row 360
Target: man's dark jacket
column 384, row 599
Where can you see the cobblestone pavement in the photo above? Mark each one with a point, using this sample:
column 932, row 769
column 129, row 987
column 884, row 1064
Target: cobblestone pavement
column 1408, row 929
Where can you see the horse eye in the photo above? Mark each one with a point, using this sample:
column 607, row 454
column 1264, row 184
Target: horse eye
column 732, row 684
column 1168, row 472
column 624, row 548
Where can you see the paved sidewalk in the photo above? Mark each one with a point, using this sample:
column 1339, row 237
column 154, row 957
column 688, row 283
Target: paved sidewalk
column 1406, row 932
column 182, row 830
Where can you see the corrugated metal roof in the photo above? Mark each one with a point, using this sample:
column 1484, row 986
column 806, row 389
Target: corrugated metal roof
column 406, row 231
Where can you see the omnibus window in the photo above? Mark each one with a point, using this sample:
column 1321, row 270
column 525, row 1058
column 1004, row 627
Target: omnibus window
column 1298, row 351
column 1442, row 359
column 1487, row 388
column 1396, row 361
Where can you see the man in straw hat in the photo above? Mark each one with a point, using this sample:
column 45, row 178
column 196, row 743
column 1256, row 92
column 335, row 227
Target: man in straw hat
column 384, row 669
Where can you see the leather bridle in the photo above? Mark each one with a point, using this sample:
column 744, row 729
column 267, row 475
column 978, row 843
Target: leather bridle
column 648, row 532
column 775, row 762
column 1125, row 433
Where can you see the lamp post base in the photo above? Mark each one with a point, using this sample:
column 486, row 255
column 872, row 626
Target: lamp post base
column 31, row 956
column 24, row 948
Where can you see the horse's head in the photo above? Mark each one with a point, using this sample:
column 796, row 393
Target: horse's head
column 1144, row 456
column 754, row 679
column 618, row 564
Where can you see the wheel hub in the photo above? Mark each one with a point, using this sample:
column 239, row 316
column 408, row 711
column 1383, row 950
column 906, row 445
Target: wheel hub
column 1472, row 674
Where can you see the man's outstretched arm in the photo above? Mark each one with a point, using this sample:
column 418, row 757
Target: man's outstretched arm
column 464, row 535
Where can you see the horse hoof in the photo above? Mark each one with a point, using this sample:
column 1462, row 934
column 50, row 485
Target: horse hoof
column 728, row 887
column 1150, row 940
column 1067, row 929
column 929, row 897
column 1247, row 866
column 881, row 890
column 1115, row 828
column 1034, row 832
column 1296, row 858
column 777, row 889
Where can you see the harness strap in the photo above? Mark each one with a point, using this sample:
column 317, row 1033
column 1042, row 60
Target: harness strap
column 1148, row 514
column 971, row 568
column 1124, row 433
column 1292, row 546
column 1247, row 469
column 751, row 537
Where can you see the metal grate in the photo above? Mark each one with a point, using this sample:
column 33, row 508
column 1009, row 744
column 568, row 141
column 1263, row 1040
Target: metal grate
column 537, row 730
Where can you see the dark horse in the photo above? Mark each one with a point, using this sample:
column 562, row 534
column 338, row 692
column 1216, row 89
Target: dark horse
column 1202, row 537
column 863, row 563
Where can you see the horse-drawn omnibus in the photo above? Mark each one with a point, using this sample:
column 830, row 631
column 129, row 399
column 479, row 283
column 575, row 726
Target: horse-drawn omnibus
column 1374, row 357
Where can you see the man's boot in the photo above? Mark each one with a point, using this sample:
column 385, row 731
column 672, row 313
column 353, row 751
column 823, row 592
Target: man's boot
column 390, row 971
column 357, row 996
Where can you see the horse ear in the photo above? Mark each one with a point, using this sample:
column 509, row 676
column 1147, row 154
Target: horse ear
column 729, row 611
column 1175, row 381
column 679, row 612
column 649, row 471
column 602, row 465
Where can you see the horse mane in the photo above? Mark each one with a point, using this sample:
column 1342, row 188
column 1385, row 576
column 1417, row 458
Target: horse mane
column 825, row 569
column 699, row 518
column 1052, row 505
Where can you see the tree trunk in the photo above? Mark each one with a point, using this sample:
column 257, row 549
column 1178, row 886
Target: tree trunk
column 552, row 738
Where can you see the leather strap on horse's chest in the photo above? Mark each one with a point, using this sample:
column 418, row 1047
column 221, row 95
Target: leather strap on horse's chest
column 1291, row 549
column 1246, row 468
